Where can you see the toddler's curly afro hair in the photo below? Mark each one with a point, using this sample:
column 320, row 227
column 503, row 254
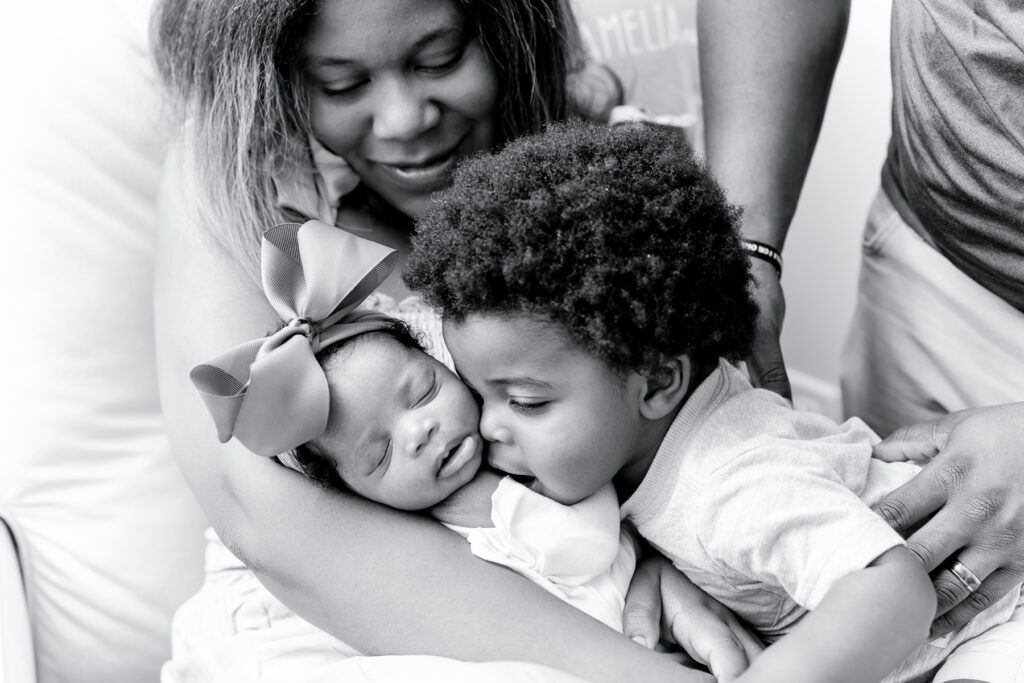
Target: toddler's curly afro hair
column 617, row 234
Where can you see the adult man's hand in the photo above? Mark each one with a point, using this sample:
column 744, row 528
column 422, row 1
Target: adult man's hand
column 765, row 364
column 970, row 499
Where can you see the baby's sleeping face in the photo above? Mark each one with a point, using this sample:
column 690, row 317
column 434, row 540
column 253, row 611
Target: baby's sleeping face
column 403, row 428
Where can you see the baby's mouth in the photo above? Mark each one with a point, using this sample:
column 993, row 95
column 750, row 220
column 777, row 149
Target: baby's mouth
column 457, row 456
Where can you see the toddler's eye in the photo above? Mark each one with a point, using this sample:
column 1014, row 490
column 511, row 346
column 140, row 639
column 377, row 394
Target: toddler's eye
column 527, row 406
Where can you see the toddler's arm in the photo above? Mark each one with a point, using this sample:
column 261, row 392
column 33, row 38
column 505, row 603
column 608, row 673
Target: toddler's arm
column 470, row 506
column 866, row 624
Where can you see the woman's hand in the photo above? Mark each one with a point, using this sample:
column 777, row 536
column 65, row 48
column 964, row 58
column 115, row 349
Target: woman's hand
column 970, row 498
column 663, row 605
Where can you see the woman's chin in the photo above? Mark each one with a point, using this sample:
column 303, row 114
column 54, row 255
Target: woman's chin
column 411, row 204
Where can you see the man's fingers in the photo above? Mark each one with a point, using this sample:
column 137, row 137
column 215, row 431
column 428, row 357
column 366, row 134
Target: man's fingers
column 908, row 505
column 765, row 363
column 920, row 441
column 904, row 449
column 939, row 539
column 951, row 590
column 641, row 617
column 994, row 587
column 771, row 375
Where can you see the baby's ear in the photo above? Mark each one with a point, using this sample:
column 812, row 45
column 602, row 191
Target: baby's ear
column 666, row 389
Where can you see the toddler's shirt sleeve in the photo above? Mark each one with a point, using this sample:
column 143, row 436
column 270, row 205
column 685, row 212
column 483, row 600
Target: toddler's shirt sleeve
column 780, row 514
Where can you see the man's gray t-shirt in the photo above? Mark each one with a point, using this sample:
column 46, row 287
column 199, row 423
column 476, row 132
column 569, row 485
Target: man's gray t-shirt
column 955, row 169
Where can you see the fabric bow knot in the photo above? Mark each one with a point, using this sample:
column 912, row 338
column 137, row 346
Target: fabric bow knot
column 271, row 393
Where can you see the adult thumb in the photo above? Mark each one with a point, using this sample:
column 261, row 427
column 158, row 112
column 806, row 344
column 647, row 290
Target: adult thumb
column 767, row 367
column 920, row 441
column 641, row 617
column 716, row 647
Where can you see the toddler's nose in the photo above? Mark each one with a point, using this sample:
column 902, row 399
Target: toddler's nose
column 491, row 428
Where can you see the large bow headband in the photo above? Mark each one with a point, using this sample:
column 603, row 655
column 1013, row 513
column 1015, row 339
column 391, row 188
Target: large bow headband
column 270, row 393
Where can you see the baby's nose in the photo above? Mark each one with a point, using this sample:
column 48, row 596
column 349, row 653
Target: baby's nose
column 420, row 433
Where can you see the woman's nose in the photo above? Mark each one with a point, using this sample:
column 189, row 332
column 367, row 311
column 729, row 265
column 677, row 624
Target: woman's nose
column 417, row 433
column 402, row 111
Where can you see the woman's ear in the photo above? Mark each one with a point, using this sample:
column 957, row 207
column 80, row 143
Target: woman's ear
column 664, row 391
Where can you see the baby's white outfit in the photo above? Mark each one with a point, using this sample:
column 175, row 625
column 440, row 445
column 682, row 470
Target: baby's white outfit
column 765, row 508
column 235, row 630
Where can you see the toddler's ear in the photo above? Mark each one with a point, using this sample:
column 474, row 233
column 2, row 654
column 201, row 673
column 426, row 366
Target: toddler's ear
column 665, row 390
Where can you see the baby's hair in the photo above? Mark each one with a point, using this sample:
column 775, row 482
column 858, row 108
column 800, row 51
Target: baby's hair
column 317, row 462
column 617, row 234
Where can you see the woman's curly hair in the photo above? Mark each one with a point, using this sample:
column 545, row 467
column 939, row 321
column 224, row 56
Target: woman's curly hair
column 617, row 234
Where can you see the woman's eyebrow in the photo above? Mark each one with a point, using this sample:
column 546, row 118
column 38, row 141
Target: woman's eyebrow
column 316, row 61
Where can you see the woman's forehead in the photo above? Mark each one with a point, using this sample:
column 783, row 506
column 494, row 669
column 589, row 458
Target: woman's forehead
column 365, row 30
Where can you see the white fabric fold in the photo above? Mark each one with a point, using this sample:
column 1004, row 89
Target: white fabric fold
column 575, row 552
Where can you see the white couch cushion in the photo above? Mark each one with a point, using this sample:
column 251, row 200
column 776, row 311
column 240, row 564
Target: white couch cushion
column 114, row 538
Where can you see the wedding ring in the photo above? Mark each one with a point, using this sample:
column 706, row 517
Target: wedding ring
column 965, row 576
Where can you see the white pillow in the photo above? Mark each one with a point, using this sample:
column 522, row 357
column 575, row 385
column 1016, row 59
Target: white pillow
column 113, row 536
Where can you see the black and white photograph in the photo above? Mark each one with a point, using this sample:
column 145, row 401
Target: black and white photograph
column 513, row 341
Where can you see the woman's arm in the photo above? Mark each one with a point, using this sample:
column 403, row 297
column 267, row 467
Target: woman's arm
column 766, row 69
column 381, row 580
column 866, row 624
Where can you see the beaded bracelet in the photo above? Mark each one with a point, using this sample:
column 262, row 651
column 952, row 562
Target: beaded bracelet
column 765, row 252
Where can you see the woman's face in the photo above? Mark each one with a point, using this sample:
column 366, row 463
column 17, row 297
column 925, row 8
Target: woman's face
column 401, row 89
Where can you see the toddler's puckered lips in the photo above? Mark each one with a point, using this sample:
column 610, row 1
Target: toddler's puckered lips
column 458, row 456
column 499, row 463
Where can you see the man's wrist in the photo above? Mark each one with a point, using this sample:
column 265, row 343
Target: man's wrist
column 763, row 252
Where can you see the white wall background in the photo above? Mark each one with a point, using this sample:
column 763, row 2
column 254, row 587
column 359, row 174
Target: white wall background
column 822, row 254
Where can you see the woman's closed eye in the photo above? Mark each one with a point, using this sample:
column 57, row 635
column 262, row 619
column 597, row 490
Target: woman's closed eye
column 441, row 63
column 348, row 89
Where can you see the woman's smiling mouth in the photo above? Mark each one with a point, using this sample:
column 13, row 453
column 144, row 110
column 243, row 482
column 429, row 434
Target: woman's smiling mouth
column 420, row 175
